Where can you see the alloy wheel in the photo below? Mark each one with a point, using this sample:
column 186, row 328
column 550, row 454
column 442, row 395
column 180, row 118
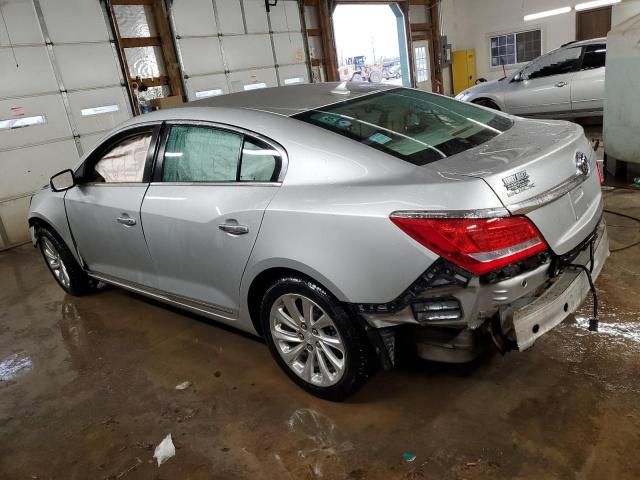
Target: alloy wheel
column 307, row 339
column 55, row 262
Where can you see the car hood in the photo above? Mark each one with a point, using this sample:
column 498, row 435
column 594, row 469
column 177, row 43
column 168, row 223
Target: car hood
column 485, row 87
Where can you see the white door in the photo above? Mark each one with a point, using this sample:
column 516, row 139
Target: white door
column 421, row 58
column 587, row 87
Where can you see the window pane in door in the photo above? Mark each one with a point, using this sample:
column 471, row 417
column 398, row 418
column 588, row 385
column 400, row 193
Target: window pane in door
column 259, row 162
column 561, row 61
column 135, row 21
column 201, row 154
column 125, row 162
column 145, row 62
column 594, row 57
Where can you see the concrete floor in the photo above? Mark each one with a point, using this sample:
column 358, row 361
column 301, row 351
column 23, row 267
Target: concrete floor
column 87, row 390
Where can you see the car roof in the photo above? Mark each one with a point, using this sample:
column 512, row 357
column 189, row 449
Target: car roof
column 292, row 99
column 580, row 43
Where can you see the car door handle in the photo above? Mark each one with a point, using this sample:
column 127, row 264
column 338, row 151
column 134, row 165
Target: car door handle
column 561, row 84
column 127, row 220
column 234, row 229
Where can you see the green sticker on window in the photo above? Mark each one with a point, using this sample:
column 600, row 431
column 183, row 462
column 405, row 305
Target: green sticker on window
column 380, row 138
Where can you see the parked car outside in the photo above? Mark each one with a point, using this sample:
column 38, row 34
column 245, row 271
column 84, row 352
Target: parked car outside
column 565, row 83
column 339, row 222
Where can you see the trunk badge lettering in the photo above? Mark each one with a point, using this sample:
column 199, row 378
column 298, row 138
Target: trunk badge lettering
column 517, row 183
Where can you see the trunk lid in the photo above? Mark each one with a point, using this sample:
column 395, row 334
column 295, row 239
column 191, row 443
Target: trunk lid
column 532, row 169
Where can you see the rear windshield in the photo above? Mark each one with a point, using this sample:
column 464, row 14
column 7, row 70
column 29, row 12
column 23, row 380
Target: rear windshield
column 416, row 126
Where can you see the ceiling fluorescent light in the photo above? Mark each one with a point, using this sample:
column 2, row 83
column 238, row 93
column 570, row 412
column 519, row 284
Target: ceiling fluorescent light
column 546, row 13
column 595, row 4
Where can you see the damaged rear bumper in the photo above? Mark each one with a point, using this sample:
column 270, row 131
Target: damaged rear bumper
column 562, row 298
column 519, row 309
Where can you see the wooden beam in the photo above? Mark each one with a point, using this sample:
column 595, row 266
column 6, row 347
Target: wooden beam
column 154, row 82
column 314, row 32
column 316, row 62
column 421, row 27
column 168, row 49
column 328, row 42
column 136, row 42
column 437, row 48
column 310, row 3
column 132, row 2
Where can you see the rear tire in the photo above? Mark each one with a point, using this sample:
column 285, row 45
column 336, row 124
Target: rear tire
column 485, row 102
column 313, row 339
column 62, row 264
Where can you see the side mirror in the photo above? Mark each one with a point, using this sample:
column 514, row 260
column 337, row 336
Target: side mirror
column 62, row 181
column 518, row 77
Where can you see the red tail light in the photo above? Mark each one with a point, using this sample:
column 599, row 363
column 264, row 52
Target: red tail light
column 599, row 167
column 479, row 245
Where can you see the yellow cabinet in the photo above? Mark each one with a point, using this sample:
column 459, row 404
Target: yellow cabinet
column 463, row 69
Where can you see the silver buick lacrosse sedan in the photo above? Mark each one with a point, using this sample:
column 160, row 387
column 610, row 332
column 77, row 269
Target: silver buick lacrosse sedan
column 341, row 222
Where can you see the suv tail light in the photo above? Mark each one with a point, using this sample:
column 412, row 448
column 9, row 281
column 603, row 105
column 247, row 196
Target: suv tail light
column 479, row 245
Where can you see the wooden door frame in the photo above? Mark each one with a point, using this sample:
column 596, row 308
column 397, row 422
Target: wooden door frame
column 164, row 40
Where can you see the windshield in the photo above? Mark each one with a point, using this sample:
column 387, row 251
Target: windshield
column 416, row 126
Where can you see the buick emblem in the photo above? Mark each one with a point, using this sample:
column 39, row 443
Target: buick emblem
column 582, row 163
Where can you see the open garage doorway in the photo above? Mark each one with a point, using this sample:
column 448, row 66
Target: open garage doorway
column 371, row 43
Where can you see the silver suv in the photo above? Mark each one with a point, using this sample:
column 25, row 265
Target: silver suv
column 565, row 83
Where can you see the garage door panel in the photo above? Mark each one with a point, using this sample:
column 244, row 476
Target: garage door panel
column 88, row 142
column 241, row 81
column 87, row 65
column 33, row 75
column 14, row 218
column 201, row 55
column 290, row 74
column 285, row 16
column 248, row 51
column 194, row 17
column 289, row 48
column 255, row 15
column 50, row 106
column 206, row 86
column 110, row 109
column 230, row 16
column 27, row 169
column 21, row 22
column 74, row 21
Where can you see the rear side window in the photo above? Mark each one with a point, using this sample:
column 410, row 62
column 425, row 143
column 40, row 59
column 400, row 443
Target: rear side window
column 206, row 154
column 412, row 125
column 125, row 162
column 260, row 162
column 594, row 56
column 201, row 154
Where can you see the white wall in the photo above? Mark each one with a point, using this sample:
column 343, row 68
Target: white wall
column 470, row 23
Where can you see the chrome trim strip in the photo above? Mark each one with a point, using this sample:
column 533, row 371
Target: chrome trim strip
column 478, row 213
column 548, row 196
column 216, row 184
column 161, row 295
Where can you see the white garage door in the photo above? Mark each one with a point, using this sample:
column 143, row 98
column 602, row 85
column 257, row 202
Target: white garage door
column 58, row 70
column 234, row 45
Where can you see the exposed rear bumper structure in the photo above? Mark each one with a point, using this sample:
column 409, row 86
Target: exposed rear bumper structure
column 518, row 309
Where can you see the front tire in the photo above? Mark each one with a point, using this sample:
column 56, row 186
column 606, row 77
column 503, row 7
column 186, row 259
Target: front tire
column 62, row 264
column 313, row 339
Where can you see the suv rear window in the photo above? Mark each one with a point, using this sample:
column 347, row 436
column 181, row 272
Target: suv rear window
column 415, row 126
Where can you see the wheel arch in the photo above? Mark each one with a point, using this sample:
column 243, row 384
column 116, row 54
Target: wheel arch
column 262, row 280
column 489, row 99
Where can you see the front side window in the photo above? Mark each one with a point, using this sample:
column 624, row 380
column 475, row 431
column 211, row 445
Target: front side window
column 125, row 162
column 201, row 154
column 565, row 60
column 412, row 125
column 594, row 56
